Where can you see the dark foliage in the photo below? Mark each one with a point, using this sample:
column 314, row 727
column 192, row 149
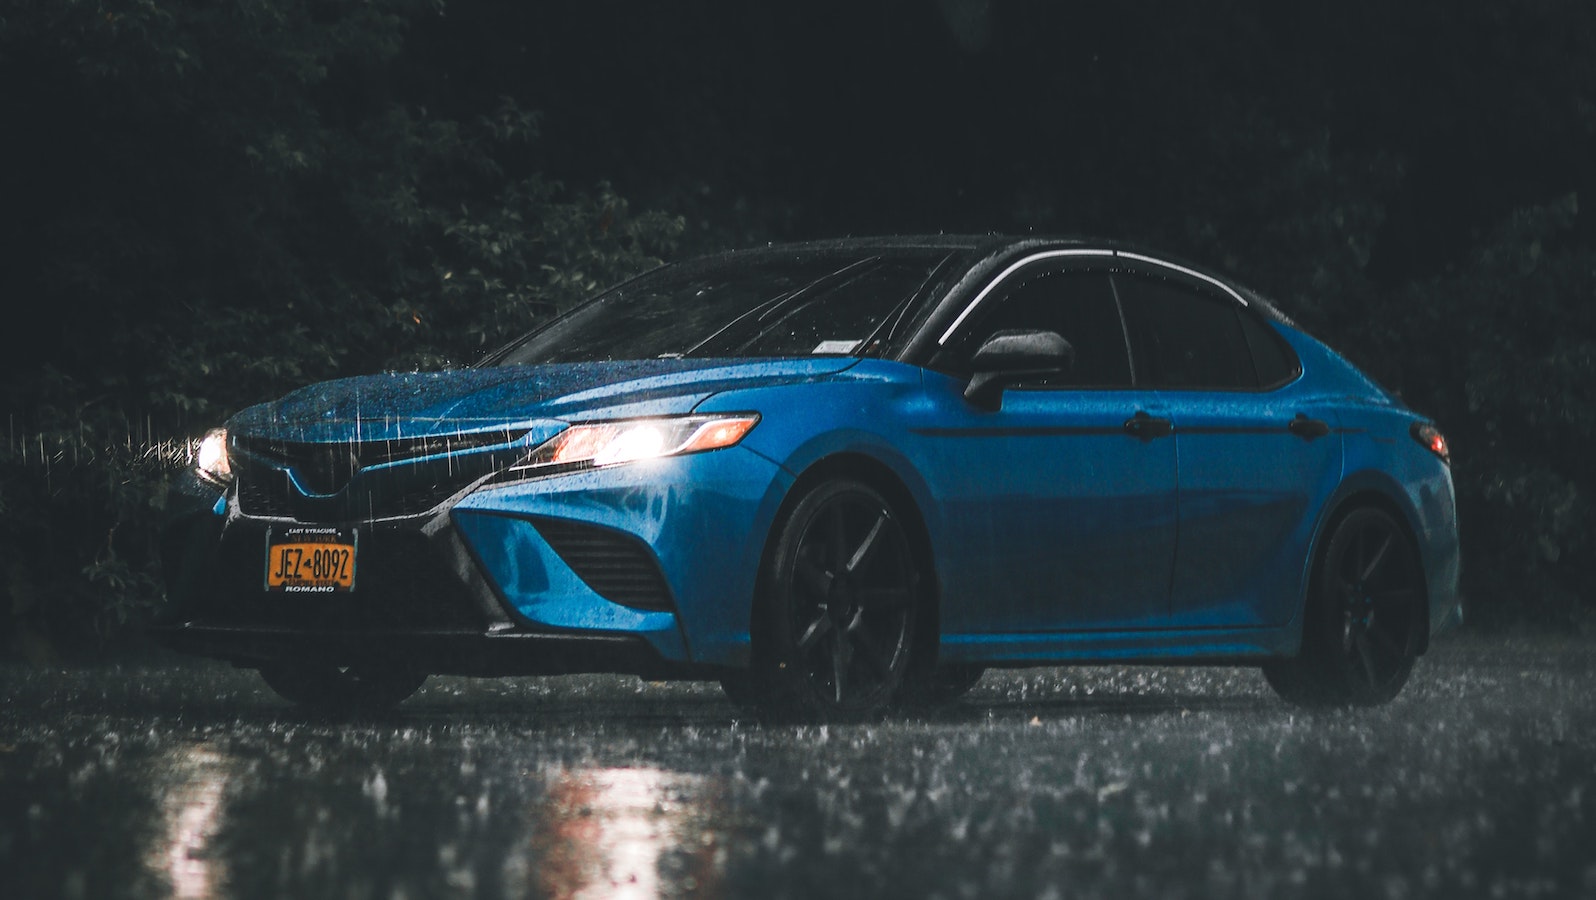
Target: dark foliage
column 211, row 203
column 208, row 203
column 1503, row 350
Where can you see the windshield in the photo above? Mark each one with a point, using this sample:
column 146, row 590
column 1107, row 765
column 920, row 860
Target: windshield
column 765, row 306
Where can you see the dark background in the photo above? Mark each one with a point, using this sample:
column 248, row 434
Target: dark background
column 206, row 204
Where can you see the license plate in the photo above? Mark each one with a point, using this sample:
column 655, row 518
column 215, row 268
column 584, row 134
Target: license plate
column 310, row 560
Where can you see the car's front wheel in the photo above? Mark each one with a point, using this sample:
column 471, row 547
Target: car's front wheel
column 841, row 595
column 329, row 688
column 1365, row 617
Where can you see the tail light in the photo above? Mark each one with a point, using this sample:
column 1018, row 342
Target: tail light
column 1432, row 439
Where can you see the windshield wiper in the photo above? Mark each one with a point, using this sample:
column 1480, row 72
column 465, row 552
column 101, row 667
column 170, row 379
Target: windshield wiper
column 888, row 327
column 781, row 302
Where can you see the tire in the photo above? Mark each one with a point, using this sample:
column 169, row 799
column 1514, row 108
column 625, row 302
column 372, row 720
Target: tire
column 1365, row 617
column 840, row 597
column 328, row 688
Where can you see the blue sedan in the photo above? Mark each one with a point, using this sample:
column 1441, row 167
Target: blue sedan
column 836, row 477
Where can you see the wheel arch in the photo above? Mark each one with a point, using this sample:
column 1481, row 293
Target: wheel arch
column 882, row 477
column 1366, row 492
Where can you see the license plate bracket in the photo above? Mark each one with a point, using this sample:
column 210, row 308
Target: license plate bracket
column 311, row 559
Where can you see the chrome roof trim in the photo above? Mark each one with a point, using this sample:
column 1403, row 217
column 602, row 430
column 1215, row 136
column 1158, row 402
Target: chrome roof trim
column 1077, row 252
column 1185, row 271
column 992, row 285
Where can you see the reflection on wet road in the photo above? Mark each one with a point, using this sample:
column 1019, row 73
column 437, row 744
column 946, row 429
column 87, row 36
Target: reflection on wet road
column 192, row 780
column 191, row 803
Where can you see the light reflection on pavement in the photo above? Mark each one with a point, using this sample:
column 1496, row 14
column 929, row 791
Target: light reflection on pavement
column 191, row 804
column 602, row 833
column 192, row 780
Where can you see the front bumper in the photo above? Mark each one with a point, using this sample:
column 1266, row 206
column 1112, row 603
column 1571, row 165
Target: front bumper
column 438, row 652
column 491, row 584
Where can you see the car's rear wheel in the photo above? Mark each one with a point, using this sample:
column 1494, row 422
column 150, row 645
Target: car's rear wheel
column 841, row 595
column 330, row 688
column 1365, row 617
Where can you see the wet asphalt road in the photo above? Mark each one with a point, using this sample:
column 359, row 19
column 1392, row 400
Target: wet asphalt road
column 194, row 781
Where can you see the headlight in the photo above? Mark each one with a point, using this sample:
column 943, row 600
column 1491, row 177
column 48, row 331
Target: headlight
column 613, row 443
column 211, row 457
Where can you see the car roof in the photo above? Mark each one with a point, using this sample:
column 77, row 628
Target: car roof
column 986, row 249
column 870, row 242
column 992, row 244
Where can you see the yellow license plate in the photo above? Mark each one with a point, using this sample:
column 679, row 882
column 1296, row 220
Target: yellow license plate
column 310, row 560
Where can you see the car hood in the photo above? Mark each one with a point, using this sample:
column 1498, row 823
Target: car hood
column 397, row 405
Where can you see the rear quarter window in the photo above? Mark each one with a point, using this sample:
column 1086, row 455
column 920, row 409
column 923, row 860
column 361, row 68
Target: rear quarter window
column 1272, row 357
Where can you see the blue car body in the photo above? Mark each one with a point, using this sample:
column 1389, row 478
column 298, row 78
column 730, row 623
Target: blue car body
column 1054, row 532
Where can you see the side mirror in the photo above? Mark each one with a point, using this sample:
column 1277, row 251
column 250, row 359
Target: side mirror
column 1009, row 356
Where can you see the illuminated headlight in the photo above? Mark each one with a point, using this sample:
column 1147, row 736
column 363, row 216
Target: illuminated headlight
column 211, row 457
column 613, row 443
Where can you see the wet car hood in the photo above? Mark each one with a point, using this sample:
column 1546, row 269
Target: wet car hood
column 420, row 404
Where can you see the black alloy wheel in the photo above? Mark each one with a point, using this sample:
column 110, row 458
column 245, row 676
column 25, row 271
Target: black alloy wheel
column 1366, row 617
column 343, row 689
column 843, row 594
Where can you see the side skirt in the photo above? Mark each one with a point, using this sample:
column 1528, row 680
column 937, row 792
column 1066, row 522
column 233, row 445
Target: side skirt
column 1220, row 646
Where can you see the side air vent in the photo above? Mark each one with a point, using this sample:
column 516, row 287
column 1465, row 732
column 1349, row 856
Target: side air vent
column 617, row 566
column 265, row 493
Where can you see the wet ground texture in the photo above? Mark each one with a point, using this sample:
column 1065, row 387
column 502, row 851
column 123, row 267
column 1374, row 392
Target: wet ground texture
column 193, row 780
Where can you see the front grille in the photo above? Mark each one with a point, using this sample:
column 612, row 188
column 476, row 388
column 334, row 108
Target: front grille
column 268, row 493
column 617, row 566
column 321, row 468
column 326, row 468
column 337, row 481
column 414, row 503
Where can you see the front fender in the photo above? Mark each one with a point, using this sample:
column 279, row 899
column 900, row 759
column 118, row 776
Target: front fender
column 852, row 414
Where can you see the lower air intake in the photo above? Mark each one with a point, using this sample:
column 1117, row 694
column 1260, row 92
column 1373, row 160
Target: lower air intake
column 617, row 566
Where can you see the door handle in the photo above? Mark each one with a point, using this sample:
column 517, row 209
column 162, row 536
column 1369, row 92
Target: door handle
column 1146, row 428
column 1308, row 429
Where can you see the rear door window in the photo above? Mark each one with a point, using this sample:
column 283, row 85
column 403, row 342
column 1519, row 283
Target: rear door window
column 1184, row 339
